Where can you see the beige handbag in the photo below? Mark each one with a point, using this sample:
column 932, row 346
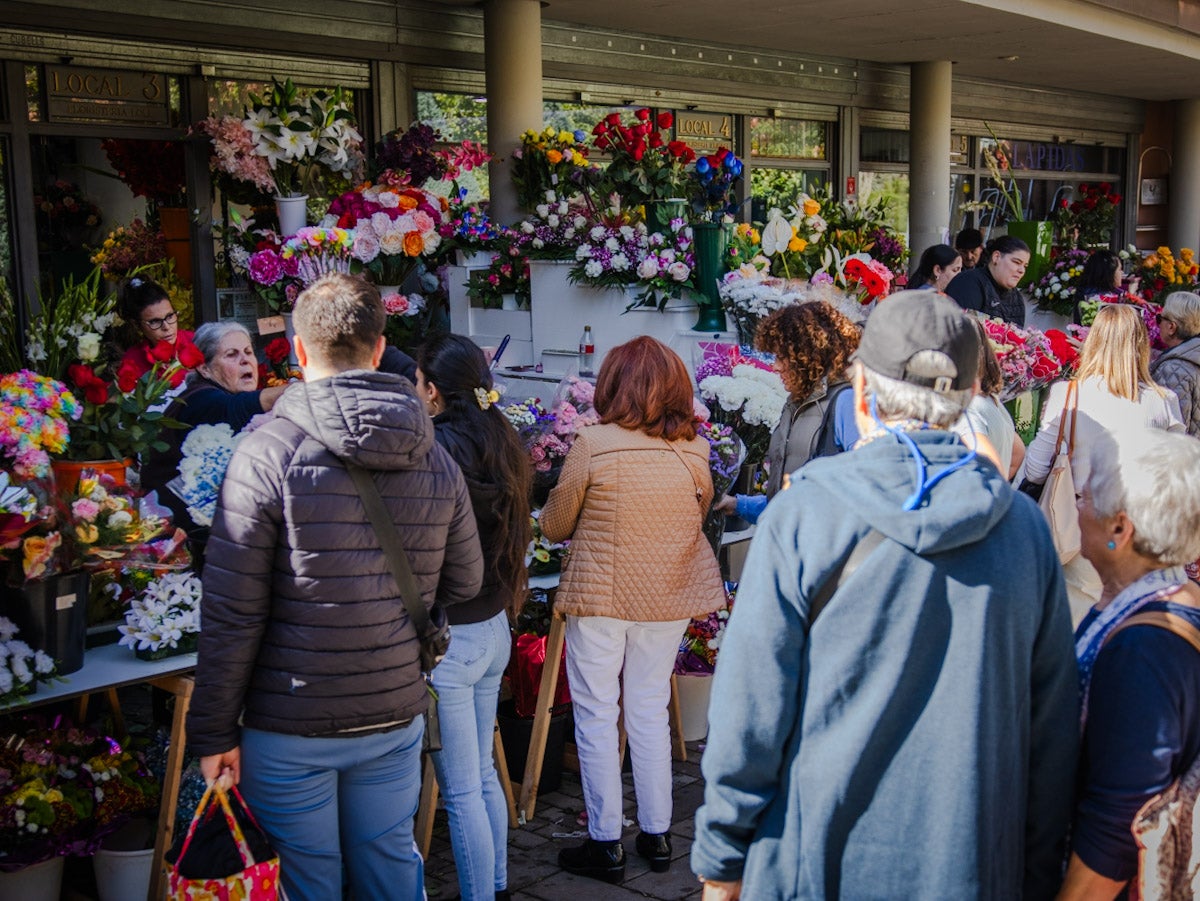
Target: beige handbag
column 1058, row 497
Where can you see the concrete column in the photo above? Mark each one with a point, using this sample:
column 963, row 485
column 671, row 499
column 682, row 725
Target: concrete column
column 929, row 154
column 1183, row 229
column 512, row 48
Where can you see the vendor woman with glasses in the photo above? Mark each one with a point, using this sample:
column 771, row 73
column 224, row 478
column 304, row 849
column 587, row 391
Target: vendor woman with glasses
column 150, row 320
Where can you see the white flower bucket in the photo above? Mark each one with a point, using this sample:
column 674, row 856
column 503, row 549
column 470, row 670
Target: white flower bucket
column 293, row 214
column 40, row 882
column 694, row 692
column 122, row 874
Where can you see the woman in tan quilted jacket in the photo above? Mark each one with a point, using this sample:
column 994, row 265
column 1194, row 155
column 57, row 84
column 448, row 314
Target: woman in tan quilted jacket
column 631, row 498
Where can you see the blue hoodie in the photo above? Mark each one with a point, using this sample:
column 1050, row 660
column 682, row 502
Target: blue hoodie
column 923, row 743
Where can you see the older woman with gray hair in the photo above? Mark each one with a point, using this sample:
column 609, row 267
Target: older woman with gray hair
column 1138, row 648
column 222, row 389
column 1179, row 368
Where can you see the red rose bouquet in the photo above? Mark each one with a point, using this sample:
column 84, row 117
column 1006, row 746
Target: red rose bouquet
column 644, row 166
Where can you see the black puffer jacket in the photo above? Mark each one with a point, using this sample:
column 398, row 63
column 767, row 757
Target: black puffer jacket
column 302, row 625
column 455, row 435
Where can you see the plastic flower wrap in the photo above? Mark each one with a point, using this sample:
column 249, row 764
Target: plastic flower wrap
column 207, row 450
column 108, row 520
column 750, row 400
column 702, row 641
column 543, row 557
column 1027, row 359
column 166, row 615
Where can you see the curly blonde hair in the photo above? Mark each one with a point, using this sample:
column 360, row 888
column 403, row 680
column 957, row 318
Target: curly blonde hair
column 812, row 342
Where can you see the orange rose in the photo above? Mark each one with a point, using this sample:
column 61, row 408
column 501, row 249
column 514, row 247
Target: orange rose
column 811, row 208
column 39, row 551
column 554, row 157
column 413, row 244
column 407, row 203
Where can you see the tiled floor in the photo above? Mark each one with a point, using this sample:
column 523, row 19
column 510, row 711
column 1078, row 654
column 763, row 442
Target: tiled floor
column 533, row 872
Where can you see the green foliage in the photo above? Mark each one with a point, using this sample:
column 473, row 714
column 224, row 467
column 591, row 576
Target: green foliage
column 79, row 307
column 10, row 334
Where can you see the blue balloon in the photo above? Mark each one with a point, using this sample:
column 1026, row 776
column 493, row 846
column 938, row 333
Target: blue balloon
column 702, row 166
column 736, row 169
column 579, row 136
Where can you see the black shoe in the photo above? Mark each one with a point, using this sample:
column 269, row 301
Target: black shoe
column 503, row 895
column 596, row 860
column 656, row 848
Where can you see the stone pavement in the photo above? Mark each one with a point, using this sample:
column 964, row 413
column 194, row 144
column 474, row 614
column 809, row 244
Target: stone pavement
column 533, row 871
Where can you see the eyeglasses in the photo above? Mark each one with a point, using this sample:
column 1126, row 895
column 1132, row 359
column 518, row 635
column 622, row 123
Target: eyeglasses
column 157, row 325
column 1160, row 318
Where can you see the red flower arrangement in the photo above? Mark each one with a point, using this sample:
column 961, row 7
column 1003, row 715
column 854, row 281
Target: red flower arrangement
column 1091, row 218
column 151, row 169
column 644, row 166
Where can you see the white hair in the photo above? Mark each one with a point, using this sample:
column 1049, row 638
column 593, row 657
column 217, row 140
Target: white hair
column 895, row 399
column 1154, row 477
column 1183, row 308
column 209, row 336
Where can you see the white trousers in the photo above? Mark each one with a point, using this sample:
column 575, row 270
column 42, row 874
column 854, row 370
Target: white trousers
column 601, row 653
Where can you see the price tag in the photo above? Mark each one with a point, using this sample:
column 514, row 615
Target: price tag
column 270, row 325
column 65, row 601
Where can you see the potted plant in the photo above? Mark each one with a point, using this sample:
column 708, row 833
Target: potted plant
column 504, row 284
column 696, row 662
column 310, row 143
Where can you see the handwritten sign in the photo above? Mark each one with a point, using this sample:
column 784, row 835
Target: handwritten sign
column 271, row 325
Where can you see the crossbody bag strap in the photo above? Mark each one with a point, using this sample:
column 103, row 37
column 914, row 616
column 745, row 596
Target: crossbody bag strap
column 1069, row 406
column 695, row 481
column 825, row 593
column 393, row 550
column 1163, row 619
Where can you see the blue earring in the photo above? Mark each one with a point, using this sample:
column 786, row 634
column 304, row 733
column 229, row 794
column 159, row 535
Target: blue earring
column 1112, row 545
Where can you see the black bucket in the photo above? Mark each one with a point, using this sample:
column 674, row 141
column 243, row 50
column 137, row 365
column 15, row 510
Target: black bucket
column 51, row 615
column 515, row 733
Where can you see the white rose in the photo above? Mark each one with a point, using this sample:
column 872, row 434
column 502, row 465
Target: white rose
column 120, row 519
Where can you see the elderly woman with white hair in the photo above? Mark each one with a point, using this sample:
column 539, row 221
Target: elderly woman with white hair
column 1139, row 515
column 1179, row 368
column 222, row 389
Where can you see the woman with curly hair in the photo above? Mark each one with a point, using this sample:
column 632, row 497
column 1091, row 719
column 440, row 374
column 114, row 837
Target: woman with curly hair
column 812, row 344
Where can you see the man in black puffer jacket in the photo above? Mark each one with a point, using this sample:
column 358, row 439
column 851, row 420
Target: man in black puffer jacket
column 305, row 637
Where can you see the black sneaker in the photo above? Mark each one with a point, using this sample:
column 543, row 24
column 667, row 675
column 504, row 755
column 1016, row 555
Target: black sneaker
column 596, row 860
column 656, row 848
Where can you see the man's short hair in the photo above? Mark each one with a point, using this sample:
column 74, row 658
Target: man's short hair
column 968, row 239
column 340, row 318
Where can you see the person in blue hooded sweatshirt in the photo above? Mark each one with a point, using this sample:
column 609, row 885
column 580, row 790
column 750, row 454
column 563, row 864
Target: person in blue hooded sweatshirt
column 897, row 687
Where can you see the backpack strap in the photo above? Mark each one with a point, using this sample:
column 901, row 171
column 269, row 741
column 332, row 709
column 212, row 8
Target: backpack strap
column 825, row 446
column 825, row 593
column 1163, row 619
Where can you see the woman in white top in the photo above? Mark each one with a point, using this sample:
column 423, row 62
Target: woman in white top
column 995, row 434
column 1116, row 394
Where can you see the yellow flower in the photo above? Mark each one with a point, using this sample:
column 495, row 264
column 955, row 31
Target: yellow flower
column 754, row 236
column 87, row 533
column 565, row 137
column 811, row 207
column 1164, row 251
column 742, row 229
column 797, row 244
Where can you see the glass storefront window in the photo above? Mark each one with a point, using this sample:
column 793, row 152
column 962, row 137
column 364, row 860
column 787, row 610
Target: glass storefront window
column 890, row 190
column 788, row 139
column 33, row 92
column 771, row 188
column 883, row 145
column 6, row 246
column 458, row 117
column 231, row 97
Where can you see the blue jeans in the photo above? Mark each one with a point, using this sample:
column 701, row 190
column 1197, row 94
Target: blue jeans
column 468, row 686
column 325, row 801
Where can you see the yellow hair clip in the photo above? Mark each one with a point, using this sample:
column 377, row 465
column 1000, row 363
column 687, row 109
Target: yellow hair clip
column 486, row 398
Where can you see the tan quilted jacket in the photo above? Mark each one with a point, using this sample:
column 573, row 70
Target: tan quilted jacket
column 629, row 505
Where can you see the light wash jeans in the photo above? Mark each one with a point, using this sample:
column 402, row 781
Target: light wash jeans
column 468, row 686
column 603, row 652
column 325, row 802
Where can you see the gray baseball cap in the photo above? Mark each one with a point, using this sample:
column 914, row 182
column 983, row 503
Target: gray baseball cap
column 908, row 322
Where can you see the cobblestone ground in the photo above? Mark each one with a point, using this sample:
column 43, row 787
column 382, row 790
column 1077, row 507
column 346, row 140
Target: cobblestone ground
column 533, row 848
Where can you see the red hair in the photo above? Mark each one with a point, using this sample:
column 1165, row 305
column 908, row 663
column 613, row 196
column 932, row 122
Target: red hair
column 644, row 385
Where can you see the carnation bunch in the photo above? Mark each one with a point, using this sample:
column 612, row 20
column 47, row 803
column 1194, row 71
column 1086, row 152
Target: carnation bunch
column 866, row 278
column 1027, row 359
column 319, row 251
column 166, row 615
column 34, row 416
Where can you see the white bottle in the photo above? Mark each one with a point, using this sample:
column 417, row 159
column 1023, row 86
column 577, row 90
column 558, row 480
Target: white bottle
column 587, row 350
